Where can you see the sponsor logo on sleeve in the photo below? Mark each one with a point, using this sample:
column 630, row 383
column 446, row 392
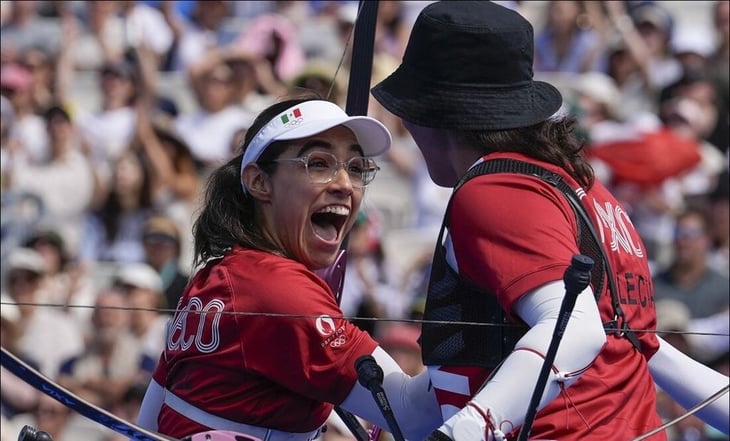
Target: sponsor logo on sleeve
column 333, row 336
column 325, row 325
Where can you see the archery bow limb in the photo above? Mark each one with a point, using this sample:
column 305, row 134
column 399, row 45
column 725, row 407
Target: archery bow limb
column 72, row 401
column 358, row 94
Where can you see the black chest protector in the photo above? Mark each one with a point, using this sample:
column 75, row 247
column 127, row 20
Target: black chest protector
column 464, row 325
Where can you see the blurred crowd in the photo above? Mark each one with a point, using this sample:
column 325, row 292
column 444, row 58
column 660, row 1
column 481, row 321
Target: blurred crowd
column 114, row 112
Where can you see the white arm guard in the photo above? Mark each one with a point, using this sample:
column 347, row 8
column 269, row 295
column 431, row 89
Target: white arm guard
column 412, row 399
column 506, row 396
column 689, row 382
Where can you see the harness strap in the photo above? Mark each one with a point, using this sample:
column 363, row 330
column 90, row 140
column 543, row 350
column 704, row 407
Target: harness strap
column 621, row 329
column 219, row 423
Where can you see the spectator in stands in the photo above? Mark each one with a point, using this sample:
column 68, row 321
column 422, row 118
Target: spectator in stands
column 719, row 219
column 173, row 170
column 161, row 240
column 113, row 231
column 66, row 283
column 690, row 109
column 638, row 53
column 717, row 65
column 143, row 288
column 273, row 37
column 194, row 38
column 692, row 46
column 41, row 66
column 27, row 29
column 254, row 88
column 109, row 130
column 209, row 128
column 67, row 172
column 392, row 29
column 655, row 25
column 369, row 288
column 98, row 35
column 689, row 279
column 635, row 95
column 46, row 335
column 16, row 84
column 145, row 25
column 112, row 359
column 567, row 43
column 8, row 142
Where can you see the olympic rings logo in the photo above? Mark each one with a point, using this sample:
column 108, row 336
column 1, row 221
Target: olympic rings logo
column 339, row 341
column 294, row 122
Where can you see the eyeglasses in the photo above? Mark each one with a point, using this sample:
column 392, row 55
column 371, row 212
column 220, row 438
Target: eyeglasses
column 688, row 232
column 322, row 168
column 158, row 239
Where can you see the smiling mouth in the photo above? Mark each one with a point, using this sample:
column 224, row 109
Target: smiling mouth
column 329, row 221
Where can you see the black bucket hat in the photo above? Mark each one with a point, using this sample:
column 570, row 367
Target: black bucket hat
column 468, row 65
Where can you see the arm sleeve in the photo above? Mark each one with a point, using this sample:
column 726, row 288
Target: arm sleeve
column 689, row 382
column 412, row 399
column 507, row 395
column 151, row 405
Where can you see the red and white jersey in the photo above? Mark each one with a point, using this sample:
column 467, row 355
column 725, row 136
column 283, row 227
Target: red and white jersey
column 259, row 340
column 512, row 233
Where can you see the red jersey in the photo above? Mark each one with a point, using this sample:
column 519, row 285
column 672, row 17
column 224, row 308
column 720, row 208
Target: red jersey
column 277, row 356
column 513, row 233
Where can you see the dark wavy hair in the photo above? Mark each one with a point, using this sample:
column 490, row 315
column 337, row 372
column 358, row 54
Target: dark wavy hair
column 553, row 141
column 228, row 216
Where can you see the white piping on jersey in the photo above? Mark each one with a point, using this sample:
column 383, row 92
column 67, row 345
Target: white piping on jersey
column 218, row 423
column 449, row 381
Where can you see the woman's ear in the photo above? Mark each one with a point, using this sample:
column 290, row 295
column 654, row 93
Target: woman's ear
column 257, row 182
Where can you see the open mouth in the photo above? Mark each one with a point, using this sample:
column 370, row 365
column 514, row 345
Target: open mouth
column 329, row 221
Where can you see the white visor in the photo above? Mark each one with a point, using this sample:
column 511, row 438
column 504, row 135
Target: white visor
column 312, row 117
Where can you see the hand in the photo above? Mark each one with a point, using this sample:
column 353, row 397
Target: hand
column 615, row 8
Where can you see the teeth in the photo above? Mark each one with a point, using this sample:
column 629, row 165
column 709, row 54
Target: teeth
column 335, row 209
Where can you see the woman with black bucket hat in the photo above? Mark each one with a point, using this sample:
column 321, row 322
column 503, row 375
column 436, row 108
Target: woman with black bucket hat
column 525, row 202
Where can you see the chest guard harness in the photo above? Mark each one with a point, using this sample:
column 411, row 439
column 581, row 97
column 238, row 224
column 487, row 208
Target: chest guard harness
column 464, row 325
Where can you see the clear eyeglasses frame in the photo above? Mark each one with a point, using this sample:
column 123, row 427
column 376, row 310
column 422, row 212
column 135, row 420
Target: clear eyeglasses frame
column 322, row 167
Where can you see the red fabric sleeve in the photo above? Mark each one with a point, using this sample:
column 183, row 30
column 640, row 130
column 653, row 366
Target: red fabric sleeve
column 312, row 349
column 529, row 243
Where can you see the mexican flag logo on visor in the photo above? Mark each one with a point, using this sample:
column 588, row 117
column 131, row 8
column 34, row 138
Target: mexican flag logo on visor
column 296, row 113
